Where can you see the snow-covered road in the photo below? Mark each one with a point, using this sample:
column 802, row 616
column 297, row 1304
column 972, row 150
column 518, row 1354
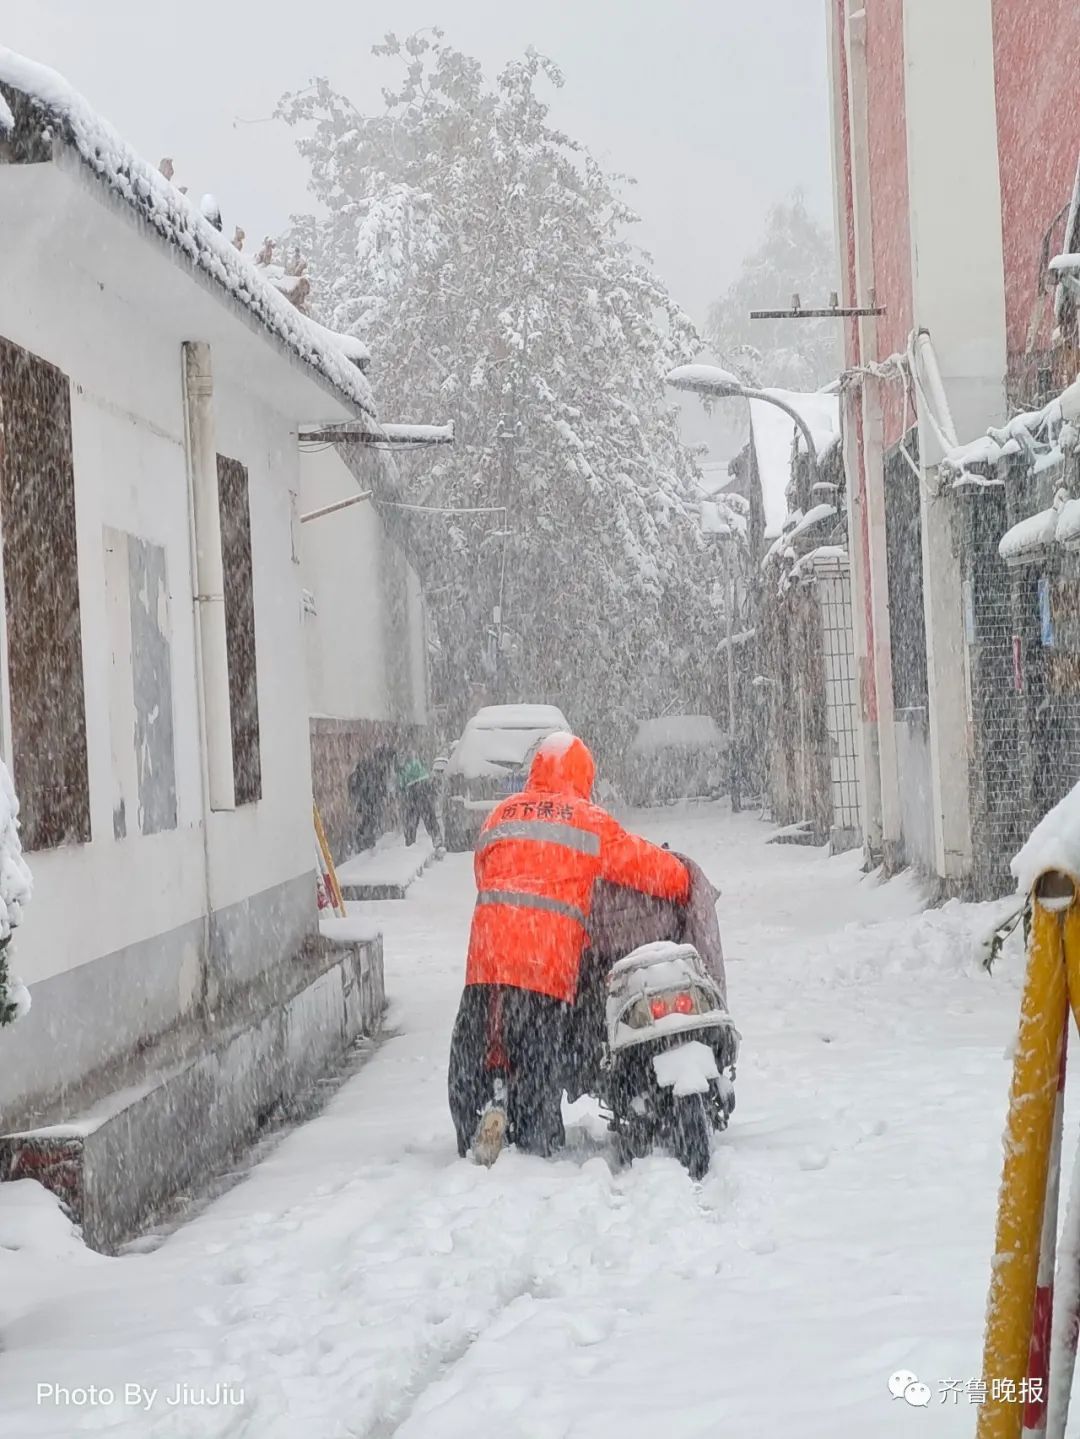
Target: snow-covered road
column 363, row 1281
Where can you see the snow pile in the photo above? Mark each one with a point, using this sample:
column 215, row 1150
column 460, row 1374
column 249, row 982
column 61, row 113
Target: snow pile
column 687, row 1069
column 411, row 434
column 1029, row 535
column 15, row 882
column 660, row 965
column 677, row 732
column 357, row 927
column 1067, row 529
column 1060, row 524
column 181, row 223
column 15, row 889
column 392, row 863
column 1054, row 844
column 1046, row 437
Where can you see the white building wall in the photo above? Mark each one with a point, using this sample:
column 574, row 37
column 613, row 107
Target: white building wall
column 342, row 568
column 268, row 843
column 366, row 643
column 958, row 292
column 418, row 656
column 130, row 475
column 123, row 361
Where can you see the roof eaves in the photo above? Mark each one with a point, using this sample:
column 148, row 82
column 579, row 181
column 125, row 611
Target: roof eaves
column 47, row 113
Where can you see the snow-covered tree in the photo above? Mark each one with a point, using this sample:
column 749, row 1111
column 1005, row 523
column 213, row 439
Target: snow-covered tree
column 483, row 255
column 14, row 893
column 795, row 256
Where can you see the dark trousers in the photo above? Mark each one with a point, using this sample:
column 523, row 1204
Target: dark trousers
column 418, row 804
column 519, row 1036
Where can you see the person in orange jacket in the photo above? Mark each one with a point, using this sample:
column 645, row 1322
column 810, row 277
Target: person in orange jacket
column 537, row 858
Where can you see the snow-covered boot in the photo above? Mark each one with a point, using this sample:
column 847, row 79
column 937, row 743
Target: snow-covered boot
column 490, row 1136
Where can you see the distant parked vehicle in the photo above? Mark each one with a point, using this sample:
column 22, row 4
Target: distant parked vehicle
column 676, row 757
column 490, row 761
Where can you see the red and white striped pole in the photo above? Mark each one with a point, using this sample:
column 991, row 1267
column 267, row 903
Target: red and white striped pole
column 1066, row 1313
column 1037, row 1399
column 1067, row 1307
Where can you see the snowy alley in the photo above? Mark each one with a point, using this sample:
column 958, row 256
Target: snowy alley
column 364, row 1281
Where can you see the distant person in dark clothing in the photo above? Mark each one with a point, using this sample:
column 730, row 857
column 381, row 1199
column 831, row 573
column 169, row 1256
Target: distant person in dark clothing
column 418, row 799
column 367, row 790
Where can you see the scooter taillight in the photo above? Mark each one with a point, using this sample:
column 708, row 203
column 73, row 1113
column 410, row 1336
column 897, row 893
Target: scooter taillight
column 666, row 1004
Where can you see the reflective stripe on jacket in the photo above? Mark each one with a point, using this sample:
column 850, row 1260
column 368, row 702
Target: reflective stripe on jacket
column 537, row 859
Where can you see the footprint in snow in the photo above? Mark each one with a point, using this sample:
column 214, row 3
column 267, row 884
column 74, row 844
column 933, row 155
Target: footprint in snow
column 813, row 1159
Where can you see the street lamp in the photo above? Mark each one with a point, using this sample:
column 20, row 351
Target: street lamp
column 724, row 534
column 717, row 384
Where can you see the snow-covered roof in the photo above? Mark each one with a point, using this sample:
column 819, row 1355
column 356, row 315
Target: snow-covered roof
column 774, row 435
column 181, row 223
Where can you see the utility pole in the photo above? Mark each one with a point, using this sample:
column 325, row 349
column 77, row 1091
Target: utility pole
column 733, row 762
column 507, row 436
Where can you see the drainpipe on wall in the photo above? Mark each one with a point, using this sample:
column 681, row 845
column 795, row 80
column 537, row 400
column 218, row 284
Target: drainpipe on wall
column 209, row 575
column 881, row 736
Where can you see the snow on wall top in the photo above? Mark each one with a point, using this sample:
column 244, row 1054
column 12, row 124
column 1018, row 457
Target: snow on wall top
column 816, row 516
column 1045, row 436
column 1029, row 535
column 774, row 434
column 181, row 223
column 15, row 884
column 1054, row 844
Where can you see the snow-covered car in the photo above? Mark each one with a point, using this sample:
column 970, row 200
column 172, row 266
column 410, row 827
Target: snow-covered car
column 490, row 761
column 675, row 757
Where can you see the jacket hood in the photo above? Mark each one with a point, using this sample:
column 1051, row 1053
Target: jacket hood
column 563, row 765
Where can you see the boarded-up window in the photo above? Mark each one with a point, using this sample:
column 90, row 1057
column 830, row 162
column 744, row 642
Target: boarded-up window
column 240, row 629
column 140, row 685
column 41, row 584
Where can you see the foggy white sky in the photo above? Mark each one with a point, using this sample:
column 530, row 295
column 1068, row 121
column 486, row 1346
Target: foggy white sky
column 718, row 107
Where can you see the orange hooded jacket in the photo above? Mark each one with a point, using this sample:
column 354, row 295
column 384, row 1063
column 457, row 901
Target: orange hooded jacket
column 537, row 858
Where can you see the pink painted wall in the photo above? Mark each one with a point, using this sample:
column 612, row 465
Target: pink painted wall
column 887, row 140
column 1037, row 81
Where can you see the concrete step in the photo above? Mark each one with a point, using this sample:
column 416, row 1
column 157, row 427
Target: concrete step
column 385, row 872
column 201, row 1095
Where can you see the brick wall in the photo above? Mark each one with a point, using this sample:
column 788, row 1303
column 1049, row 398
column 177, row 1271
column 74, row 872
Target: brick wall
column 1025, row 728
